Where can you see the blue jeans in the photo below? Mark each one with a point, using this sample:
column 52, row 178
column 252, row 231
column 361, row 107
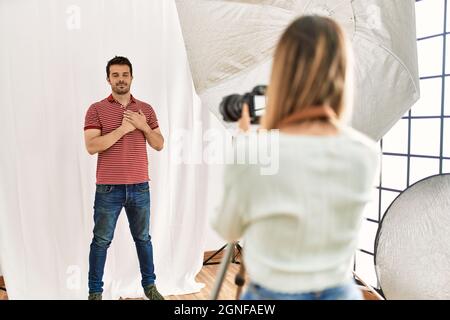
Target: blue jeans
column 345, row 292
column 109, row 201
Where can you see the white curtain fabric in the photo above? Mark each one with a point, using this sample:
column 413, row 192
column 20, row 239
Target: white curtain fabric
column 53, row 55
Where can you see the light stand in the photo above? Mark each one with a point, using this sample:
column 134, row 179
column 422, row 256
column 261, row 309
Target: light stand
column 236, row 246
column 240, row 277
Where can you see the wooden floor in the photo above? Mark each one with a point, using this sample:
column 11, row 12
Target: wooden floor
column 207, row 276
column 3, row 295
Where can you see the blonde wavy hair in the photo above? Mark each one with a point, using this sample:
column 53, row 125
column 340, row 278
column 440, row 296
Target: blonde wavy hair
column 312, row 67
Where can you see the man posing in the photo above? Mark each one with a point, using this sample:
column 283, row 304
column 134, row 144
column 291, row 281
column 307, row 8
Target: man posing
column 118, row 128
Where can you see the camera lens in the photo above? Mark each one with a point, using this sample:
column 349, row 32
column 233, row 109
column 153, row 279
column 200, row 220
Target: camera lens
column 231, row 107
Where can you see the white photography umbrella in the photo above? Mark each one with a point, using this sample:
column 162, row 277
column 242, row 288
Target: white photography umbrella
column 230, row 46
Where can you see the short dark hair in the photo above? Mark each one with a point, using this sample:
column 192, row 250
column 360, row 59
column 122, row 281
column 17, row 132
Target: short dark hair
column 119, row 60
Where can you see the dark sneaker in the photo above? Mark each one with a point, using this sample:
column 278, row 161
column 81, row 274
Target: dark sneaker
column 152, row 293
column 95, row 296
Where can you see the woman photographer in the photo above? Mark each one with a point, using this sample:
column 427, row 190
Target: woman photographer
column 300, row 226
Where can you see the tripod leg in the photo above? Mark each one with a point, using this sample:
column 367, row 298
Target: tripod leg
column 239, row 253
column 222, row 271
column 239, row 280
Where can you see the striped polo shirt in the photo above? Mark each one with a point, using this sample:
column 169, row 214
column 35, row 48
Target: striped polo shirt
column 126, row 161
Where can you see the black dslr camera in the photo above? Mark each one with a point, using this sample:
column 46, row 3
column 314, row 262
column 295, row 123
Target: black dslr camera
column 231, row 106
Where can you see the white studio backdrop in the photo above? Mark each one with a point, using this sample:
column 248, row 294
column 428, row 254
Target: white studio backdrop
column 53, row 55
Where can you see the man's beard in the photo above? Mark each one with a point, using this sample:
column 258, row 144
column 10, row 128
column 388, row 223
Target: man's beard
column 121, row 90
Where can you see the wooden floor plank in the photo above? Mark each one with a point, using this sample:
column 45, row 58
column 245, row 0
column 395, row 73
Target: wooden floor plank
column 3, row 294
column 207, row 276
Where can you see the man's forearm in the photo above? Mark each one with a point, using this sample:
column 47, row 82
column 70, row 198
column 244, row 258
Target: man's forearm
column 154, row 139
column 105, row 142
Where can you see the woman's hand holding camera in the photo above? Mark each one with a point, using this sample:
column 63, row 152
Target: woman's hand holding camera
column 244, row 120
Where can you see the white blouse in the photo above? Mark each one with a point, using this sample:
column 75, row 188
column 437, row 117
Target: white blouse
column 300, row 225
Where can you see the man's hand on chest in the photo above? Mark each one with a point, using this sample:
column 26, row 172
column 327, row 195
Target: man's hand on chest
column 137, row 119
